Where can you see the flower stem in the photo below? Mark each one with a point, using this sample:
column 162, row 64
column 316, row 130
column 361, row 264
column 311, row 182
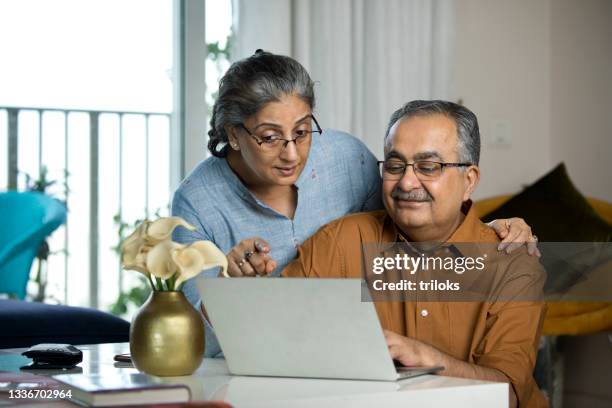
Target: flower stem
column 160, row 285
column 171, row 282
column 151, row 281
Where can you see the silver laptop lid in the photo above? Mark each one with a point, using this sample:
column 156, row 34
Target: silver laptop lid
column 291, row 327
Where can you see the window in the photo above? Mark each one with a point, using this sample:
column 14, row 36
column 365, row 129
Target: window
column 89, row 87
column 219, row 38
column 87, row 99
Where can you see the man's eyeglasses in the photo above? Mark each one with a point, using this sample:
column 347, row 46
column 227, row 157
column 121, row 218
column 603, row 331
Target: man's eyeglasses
column 425, row 170
column 271, row 140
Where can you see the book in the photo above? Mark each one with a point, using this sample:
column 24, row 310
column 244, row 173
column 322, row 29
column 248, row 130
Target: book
column 98, row 390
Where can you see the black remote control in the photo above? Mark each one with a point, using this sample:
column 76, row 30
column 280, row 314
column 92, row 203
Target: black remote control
column 53, row 356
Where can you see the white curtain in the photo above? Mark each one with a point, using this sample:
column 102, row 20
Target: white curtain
column 366, row 57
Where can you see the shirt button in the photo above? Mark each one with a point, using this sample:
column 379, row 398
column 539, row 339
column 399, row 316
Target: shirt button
column 424, row 313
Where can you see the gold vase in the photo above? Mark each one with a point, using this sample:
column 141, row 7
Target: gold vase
column 167, row 336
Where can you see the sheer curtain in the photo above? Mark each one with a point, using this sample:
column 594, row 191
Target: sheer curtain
column 366, row 57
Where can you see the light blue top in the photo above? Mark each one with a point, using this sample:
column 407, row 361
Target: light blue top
column 340, row 177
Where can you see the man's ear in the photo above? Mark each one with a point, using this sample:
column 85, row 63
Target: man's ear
column 471, row 179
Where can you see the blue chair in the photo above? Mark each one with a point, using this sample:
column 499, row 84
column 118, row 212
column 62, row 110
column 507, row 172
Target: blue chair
column 26, row 219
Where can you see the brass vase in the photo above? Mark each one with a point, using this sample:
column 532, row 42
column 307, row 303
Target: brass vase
column 167, row 335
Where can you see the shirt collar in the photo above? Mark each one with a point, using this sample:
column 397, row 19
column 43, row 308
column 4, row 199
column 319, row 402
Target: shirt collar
column 239, row 188
column 464, row 242
column 468, row 230
column 234, row 182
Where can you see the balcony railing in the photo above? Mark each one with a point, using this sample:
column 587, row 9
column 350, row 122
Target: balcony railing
column 110, row 165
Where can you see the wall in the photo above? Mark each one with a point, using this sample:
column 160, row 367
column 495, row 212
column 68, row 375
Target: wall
column 538, row 73
column 501, row 73
column 262, row 24
column 581, row 92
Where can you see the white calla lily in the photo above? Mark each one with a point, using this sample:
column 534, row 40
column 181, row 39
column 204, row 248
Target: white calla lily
column 132, row 250
column 150, row 250
column 159, row 260
column 196, row 257
column 140, row 262
column 161, row 229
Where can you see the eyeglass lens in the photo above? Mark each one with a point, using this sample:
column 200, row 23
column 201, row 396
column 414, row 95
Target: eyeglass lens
column 424, row 170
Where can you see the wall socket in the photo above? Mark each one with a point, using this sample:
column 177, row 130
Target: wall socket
column 501, row 134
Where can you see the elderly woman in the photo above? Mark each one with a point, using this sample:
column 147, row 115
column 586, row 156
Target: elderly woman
column 275, row 177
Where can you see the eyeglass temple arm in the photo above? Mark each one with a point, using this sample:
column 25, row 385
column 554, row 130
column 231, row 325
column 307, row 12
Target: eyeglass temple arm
column 317, row 123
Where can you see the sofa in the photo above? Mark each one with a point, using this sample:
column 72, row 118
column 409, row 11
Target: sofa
column 27, row 323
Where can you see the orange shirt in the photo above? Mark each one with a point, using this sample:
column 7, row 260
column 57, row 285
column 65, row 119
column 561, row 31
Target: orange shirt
column 500, row 332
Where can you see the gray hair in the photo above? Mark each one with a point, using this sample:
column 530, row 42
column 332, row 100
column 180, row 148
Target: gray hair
column 248, row 85
column 468, row 147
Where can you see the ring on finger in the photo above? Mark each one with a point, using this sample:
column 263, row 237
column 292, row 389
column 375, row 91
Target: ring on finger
column 241, row 262
column 248, row 254
column 535, row 237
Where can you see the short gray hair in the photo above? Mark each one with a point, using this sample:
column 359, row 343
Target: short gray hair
column 251, row 83
column 468, row 146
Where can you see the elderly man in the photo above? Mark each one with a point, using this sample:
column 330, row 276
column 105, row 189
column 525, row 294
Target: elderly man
column 430, row 170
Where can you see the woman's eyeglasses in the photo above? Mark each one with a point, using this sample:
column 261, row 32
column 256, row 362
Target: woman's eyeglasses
column 273, row 141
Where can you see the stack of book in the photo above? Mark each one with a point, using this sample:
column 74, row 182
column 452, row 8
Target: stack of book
column 122, row 389
column 90, row 389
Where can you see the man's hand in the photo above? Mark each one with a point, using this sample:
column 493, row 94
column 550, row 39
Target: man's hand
column 250, row 258
column 410, row 352
column 515, row 233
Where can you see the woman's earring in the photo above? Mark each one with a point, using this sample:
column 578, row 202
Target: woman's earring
column 234, row 145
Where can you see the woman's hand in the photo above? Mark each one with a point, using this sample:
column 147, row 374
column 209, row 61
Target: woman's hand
column 515, row 233
column 250, row 258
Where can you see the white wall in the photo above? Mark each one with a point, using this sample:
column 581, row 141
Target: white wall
column 581, row 92
column 252, row 21
column 501, row 73
column 538, row 74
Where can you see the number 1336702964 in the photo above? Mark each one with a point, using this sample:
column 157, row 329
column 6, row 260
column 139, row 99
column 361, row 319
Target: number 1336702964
column 39, row 394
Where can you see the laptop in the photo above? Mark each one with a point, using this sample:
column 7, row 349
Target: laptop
column 291, row 327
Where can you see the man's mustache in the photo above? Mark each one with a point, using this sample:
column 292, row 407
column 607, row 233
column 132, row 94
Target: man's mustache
column 412, row 195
